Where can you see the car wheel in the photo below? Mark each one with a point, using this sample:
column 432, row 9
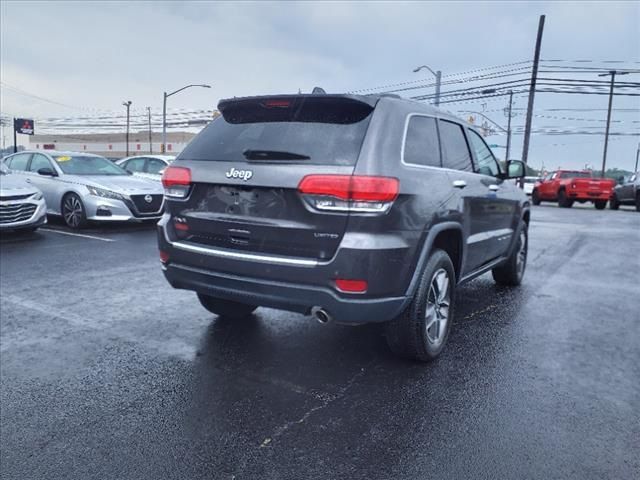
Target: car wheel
column 535, row 197
column 512, row 271
column 225, row 308
column 637, row 201
column 614, row 204
column 421, row 331
column 563, row 201
column 73, row 211
column 600, row 204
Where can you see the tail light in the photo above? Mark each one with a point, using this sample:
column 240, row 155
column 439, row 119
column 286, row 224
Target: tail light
column 349, row 193
column 164, row 256
column 176, row 182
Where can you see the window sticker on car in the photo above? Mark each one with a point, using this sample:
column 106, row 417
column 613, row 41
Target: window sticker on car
column 63, row 159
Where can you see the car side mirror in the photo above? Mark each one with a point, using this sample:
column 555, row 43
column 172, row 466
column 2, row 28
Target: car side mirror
column 47, row 172
column 515, row 169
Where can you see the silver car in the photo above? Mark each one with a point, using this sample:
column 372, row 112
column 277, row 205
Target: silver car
column 22, row 206
column 82, row 187
column 146, row 166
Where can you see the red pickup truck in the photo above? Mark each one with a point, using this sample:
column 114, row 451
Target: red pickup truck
column 568, row 186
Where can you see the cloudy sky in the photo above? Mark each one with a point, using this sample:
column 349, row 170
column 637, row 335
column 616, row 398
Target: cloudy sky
column 67, row 59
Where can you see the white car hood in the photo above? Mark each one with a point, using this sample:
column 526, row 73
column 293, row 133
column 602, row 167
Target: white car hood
column 11, row 185
column 127, row 184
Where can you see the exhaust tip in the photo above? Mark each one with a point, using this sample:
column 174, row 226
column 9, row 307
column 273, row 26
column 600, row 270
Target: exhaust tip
column 321, row 315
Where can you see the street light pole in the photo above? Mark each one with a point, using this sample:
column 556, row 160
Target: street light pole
column 127, row 104
column 613, row 74
column 637, row 155
column 164, row 111
column 438, row 75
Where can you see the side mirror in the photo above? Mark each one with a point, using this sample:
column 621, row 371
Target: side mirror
column 47, row 172
column 515, row 169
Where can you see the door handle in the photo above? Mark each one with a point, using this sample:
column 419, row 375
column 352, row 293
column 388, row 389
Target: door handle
column 494, row 187
column 459, row 183
column 28, row 180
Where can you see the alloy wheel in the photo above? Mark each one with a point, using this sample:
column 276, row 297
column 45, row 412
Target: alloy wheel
column 437, row 311
column 72, row 211
column 521, row 259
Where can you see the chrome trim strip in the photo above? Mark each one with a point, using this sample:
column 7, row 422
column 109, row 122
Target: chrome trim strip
column 253, row 257
column 482, row 236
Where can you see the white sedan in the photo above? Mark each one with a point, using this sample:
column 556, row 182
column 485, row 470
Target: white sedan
column 147, row 166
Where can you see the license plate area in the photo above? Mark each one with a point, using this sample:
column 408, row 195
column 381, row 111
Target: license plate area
column 243, row 201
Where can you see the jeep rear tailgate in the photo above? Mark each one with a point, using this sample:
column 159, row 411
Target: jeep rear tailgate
column 246, row 167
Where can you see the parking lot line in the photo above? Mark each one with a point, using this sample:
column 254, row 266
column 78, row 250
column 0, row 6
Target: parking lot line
column 77, row 235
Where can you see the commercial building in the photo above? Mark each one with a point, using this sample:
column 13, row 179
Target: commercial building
column 112, row 145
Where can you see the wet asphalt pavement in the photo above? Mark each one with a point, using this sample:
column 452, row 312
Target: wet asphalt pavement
column 108, row 373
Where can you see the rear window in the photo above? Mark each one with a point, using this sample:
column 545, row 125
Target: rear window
column 314, row 130
column 575, row 175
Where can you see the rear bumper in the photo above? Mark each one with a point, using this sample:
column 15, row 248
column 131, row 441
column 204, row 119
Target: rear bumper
column 604, row 195
column 284, row 296
column 290, row 284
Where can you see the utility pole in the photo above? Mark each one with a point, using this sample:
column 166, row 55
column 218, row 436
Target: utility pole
column 532, row 90
column 506, row 157
column 438, row 75
column 637, row 155
column 613, row 74
column 150, row 144
column 164, row 123
column 15, row 137
column 127, row 104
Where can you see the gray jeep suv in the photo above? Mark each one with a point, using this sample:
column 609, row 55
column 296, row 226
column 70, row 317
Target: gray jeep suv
column 349, row 208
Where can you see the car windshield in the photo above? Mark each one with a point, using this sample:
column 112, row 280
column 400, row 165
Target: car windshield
column 87, row 165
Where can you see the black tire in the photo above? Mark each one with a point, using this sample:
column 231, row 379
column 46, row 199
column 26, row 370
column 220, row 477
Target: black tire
column 563, row 201
column 512, row 271
column 226, row 308
column 600, row 204
column 614, row 204
column 535, row 197
column 408, row 335
column 637, row 201
column 73, row 211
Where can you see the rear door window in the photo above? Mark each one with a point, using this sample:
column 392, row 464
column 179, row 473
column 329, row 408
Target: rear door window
column 455, row 150
column 312, row 130
column 421, row 146
column 19, row 162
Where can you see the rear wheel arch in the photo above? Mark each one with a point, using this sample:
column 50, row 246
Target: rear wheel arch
column 428, row 246
column 450, row 241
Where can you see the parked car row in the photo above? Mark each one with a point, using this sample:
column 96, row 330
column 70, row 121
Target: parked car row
column 569, row 186
column 82, row 187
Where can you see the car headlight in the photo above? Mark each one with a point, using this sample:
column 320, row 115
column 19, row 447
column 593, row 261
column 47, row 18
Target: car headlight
column 101, row 192
column 36, row 196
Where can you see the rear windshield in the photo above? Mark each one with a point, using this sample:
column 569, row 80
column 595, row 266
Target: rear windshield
column 313, row 130
column 575, row 175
